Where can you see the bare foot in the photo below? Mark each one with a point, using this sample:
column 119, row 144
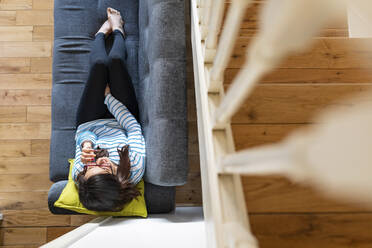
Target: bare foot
column 115, row 20
column 105, row 28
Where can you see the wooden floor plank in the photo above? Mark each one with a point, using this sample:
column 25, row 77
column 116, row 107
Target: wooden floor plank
column 25, row 182
column 34, row 17
column 15, row 148
column 21, row 33
column 326, row 53
column 246, row 136
column 78, row 220
column 296, row 103
column 274, row 194
column 313, row 230
column 13, row 114
column 14, row 49
column 15, row 4
column 310, row 75
column 40, row 147
column 42, row 4
column 39, row 114
column 33, row 218
column 55, row 232
column 25, row 131
column 42, row 33
column 8, row 18
column 193, row 145
column 23, row 236
column 24, row 165
column 25, row 97
column 15, row 65
column 26, row 81
column 41, row 65
column 24, row 200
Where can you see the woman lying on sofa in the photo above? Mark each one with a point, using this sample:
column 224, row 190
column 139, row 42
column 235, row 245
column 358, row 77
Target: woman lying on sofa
column 110, row 148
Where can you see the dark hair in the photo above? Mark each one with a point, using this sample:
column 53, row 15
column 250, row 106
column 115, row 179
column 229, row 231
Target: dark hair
column 108, row 192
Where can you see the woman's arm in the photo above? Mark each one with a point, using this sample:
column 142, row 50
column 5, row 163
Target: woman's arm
column 86, row 139
column 78, row 165
column 128, row 122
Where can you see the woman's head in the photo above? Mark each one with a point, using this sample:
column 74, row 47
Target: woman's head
column 106, row 187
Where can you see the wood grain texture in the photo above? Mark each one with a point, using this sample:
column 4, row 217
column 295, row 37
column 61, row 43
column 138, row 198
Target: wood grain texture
column 34, row 17
column 23, row 200
column 55, row 232
column 41, row 65
column 247, row 136
column 15, row 148
column 25, row 97
column 39, row 114
column 250, row 24
column 40, row 147
column 25, row 49
column 15, row 65
column 26, row 81
column 8, row 18
column 310, row 75
column 25, row 182
column 22, row 33
column 326, row 53
column 193, row 138
column 23, row 236
column 313, row 230
column 25, row 131
column 78, row 220
column 295, row 103
column 274, row 194
column 24, row 165
column 15, row 4
column 19, row 246
column 12, row 114
column 42, row 4
column 31, row 218
column 42, row 33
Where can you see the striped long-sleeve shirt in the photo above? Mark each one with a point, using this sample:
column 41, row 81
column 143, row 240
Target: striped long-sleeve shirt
column 113, row 134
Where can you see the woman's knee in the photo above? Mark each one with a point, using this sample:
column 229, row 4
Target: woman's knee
column 99, row 61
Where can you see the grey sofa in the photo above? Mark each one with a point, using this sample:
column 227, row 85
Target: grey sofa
column 156, row 61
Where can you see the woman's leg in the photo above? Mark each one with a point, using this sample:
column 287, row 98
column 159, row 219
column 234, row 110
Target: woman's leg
column 92, row 105
column 120, row 82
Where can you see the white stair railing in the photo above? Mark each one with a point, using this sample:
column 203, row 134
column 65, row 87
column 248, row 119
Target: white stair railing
column 305, row 156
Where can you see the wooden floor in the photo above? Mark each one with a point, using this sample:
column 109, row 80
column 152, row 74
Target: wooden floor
column 26, row 41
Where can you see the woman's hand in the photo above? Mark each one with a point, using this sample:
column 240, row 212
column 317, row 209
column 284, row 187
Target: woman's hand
column 107, row 90
column 87, row 155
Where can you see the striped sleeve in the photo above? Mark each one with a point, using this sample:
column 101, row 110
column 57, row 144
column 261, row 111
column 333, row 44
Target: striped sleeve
column 137, row 167
column 78, row 165
column 128, row 122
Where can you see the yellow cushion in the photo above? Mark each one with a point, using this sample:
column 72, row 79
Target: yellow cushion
column 69, row 199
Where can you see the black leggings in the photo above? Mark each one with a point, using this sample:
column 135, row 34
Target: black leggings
column 105, row 69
